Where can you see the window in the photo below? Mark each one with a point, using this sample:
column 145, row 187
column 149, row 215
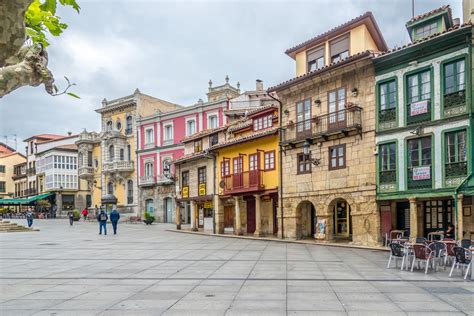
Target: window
column 262, row 122
column 109, row 126
column 148, row 136
column 197, row 145
column 190, row 127
column 168, row 134
column 129, row 192
column 388, row 95
column 185, row 178
column 238, row 164
column 89, row 158
column 110, row 188
column 122, row 154
column 213, row 140
column 269, row 160
column 149, row 169
column 454, row 77
column 2, row 168
column 253, row 162
column 202, row 175
column 303, row 116
column 419, row 152
column 304, row 163
column 129, row 153
column 337, row 157
column 225, row 168
column 111, row 153
column 387, row 157
column 456, row 149
column 212, row 121
column 128, row 126
column 419, row 86
column 339, row 49
column 118, row 125
column 336, row 106
column 315, row 59
column 2, row 186
column 166, row 166
column 426, row 30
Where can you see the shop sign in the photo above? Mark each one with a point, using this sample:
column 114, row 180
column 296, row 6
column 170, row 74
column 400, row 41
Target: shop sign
column 202, row 189
column 421, row 173
column 321, row 229
column 185, row 192
column 419, row 107
column 207, row 204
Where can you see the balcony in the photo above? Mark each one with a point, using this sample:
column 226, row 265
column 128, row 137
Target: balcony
column 17, row 176
column 456, row 169
column 86, row 172
column 420, row 178
column 147, row 180
column 321, row 127
column 418, row 112
column 119, row 166
column 165, row 179
column 244, row 182
column 31, row 191
column 88, row 138
column 128, row 131
column 387, row 118
column 31, row 171
column 455, row 103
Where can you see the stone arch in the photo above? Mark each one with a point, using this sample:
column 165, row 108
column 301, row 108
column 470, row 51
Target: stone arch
column 340, row 211
column 305, row 219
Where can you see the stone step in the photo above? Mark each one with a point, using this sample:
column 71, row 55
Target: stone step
column 6, row 226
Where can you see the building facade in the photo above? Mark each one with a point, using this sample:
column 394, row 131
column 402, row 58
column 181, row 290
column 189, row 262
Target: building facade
column 8, row 160
column 328, row 136
column 20, row 180
column 425, row 128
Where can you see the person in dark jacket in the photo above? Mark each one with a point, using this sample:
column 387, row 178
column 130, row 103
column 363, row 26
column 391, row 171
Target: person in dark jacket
column 29, row 217
column 102, row 219
column 70, row 215
column 114, row 218
column 449, row 233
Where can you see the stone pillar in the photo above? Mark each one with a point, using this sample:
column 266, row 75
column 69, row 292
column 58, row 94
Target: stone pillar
column 59, row 205
column 258, row 216
column 193, row 216
column 178, row 215
column 459, row 226
column 413, row 218
column 219, row 214
column 238, row 223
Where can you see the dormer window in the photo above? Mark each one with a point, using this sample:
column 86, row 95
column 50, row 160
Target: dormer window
column 197, row 145
column 339, row 48
column 316, row 59
column 426, row 30
column 262, row 122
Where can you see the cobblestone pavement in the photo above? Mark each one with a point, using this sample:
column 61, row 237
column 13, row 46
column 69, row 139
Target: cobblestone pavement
column 146, row 270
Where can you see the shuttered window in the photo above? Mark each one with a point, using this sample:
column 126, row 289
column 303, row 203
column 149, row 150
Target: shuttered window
column 316, row 59
column 339, row 48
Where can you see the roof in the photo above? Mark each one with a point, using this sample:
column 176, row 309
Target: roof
column 7, row 148
column 241, row 139
column 12, row 154
column 425, row 39
column 188, row 157
column 352, row 58
column 55, row 139
column 430, row 13
column 67, row 147
column 45, row 136
column 366, row 18
column 202, row 133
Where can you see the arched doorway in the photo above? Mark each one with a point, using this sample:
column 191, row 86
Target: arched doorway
column 306, row 213
column 342, row 219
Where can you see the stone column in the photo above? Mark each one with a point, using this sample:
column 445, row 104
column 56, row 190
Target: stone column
column 178, row 215
column 413, row 218
column 219, row 214
column 193, row 216
column 238, row 224
column 258, row 216
column 459, row 226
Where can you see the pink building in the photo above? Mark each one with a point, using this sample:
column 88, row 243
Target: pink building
column 159, row 143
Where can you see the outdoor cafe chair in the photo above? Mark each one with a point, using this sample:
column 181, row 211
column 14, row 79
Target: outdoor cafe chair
column 420, row 240
column 462, row 258
column 422, row 253
column 393, row 235
column 440, row 251
column 397, row 252
column 465, row 243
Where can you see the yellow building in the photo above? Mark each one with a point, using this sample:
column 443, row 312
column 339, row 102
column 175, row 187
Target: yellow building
column 247, row 177
column 7, row 161
column 107, row 160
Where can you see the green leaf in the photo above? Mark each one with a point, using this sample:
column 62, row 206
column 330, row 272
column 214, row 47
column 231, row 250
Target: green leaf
column 49, row 5
column 55, row 88
column 73, row 95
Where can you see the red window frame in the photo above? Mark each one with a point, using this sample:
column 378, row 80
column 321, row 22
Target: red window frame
column 225, row 168
column 254, row 162
column 268, row 156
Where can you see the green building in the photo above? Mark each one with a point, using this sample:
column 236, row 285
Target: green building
column 425, row 128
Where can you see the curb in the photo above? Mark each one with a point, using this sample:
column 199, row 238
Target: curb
column 305, row 242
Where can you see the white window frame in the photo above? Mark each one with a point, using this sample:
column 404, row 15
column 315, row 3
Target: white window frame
column 168, row 140
column 149, row 142
column 187, row 129
column 212, row 114
column 145, row 163
column 163, row 159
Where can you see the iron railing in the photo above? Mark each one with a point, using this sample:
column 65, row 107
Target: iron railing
column 455, row 169
column 454, row 99
column 419, row 184
column 387, row 115
column 423, row 117
column 31, row 171
column 247, row 181
column 128, row 131
column 388, row 176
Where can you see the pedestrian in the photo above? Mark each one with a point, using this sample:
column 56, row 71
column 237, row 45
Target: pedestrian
column 449, row 233
column 70, row 215
column 85, row 213
column 102, row 219
column 29, row 217
column 114, row 218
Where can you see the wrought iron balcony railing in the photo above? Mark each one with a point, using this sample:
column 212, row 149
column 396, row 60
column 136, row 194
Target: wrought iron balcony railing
column 418, row 112
column 420, row 181
column 455, row 169
column 128, row 131
column 247, row 181
column 388, row 176
column 31, row 171
column 387, row 115
column 454, row 99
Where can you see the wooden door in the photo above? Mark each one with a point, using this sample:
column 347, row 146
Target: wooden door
column 228, row 216
column 336, row 109
column 251, row 216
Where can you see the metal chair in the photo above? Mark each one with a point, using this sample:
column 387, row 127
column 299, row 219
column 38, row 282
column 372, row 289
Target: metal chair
column 420, row 240
column 394, row 234
column 440, row 252
column 465, row 243
column 397, row 252
column 462, row 258
column 422, row 253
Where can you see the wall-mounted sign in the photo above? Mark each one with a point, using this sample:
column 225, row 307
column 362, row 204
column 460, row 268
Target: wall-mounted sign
column 185, row 192
column 321, row 229
column 207, row 204
column 202, row 189
column 421, row 173
column 419, row 107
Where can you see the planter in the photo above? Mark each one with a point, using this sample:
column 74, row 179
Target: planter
column 148, row 221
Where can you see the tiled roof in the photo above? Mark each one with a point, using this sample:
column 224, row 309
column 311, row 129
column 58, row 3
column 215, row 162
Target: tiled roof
column 247, row 121
column 430, row 13
column 11, row 154
column 68, row 146
column 202, row 133
column 54, row 139
column 47, row 136
column 189, row 157
column 237, row 140
column 425, row 39
column 313, row 73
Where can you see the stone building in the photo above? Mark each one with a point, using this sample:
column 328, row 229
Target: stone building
column 9, row 159
column 328, row 183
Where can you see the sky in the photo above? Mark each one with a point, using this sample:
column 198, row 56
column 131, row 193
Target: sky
column 170, row 50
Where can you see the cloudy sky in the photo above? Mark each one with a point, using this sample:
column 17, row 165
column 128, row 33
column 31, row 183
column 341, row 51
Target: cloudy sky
column 170, row 50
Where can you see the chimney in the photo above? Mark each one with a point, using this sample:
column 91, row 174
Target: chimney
column 69, row 133
column 456, row 21
column 259, row 85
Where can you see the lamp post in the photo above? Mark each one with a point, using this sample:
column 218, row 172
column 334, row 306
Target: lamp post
column 306, row 152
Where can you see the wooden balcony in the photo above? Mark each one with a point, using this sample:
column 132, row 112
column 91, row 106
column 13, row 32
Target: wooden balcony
column 322, row 127
column 244, row 182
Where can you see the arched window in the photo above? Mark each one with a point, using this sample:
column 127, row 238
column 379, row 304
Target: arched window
column 149, row 169
column 111, row 153
column 80, row 159
column 129, row 192
column 122, row 154
column 109, row 126
column 110, row 188
column 128, row 127
column 129, row 152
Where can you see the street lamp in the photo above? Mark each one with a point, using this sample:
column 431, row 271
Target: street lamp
column 306, row 152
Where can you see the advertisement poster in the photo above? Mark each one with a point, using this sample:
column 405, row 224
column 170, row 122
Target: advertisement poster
column 321, row 229
column 420, row 107
column 421, row 173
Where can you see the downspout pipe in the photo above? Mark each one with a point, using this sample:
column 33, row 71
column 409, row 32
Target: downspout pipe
column 280, row 164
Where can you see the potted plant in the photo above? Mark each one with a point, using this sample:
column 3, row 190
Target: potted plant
column 148, row 218
column 76, row 215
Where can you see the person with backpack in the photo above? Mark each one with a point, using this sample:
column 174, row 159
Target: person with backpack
column 29, row 217
column 70, row 215
column 102, row 219
column 114, row 218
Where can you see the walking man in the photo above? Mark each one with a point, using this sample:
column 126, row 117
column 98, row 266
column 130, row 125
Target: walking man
column 70, row 215
column 29, row 217
column 114, row 218
column 85, row 213
column 102, row 219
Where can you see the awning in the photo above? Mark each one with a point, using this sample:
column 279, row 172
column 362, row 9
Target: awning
column 25, row 201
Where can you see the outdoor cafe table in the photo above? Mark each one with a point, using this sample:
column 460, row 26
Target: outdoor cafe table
column 432, row 234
